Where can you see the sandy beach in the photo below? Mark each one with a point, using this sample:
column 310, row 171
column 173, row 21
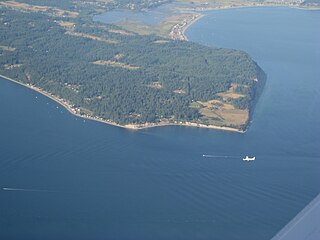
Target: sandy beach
column 69, row 108
column 189, row 24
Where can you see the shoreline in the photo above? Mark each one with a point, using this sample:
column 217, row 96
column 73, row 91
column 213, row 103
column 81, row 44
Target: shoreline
column 178, row 30
column 190, row 24
column 73, row 111
column 200, row 11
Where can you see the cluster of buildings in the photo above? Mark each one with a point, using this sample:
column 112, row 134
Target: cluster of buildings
column 177, row 31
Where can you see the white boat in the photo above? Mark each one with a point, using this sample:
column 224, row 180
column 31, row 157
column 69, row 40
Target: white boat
column 249, row 158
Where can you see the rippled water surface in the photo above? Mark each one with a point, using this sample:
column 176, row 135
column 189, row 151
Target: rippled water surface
column 65, row 178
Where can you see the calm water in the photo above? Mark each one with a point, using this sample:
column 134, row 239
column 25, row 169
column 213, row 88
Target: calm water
column 151, row 17
column 66, row 178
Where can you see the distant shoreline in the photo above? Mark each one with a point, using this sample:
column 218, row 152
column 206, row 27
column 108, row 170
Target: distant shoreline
column 177, row 32
column 201, row 15
column 69, row 108
column 189, row 24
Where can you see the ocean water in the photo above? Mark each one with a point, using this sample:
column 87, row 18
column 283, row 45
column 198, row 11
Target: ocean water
column 65, row 178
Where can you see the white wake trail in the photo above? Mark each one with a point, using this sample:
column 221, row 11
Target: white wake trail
column 218, row 156
column 26, row 190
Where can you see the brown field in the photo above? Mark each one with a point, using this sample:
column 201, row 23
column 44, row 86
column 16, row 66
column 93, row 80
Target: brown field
column 35, row 8
column 121, row 32
column 65, row 24
column 119, row 56
column 8, row 67
column 227, row 95
column 179, row 91
column 105, row 1
column 161, row 41
column 6, row 48
column 69, row 26
column 116, row 64
column 230, row 93
column 24, row 6
column 156, row 85
column 220, row 113
column 77, row 34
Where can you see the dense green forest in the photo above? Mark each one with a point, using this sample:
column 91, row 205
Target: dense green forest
column 115, row 74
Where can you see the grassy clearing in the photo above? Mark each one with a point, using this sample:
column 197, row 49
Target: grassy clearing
column 9, row 67
column 6, row 48
column 220, row 112
column 34, row 8
column 230, row 93
column 156, row 85
column 161, row 41
column 121, row 32
column 116, row 64
column 69, row 26
column 77, row 34
column 179, row 91
column 162, row 30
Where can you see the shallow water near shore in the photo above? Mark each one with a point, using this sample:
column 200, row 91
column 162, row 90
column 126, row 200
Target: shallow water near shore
column 151, row 17
column 65, row 177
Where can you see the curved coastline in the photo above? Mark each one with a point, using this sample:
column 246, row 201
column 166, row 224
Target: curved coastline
column 189, row 24
column 69, row 108
column 201, row 14
column 177, row 32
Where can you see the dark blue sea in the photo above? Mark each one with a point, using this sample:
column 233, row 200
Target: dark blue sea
column 62, row 177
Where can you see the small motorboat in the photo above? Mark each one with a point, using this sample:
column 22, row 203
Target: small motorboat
column 249, row 158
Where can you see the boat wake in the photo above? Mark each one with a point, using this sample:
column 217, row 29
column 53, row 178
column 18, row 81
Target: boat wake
column 26, row 190
column 218, row 156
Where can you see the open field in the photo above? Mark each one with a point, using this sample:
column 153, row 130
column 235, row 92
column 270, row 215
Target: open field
column 221, row 112
column 77, row 34
column 6, row 48
column 34, row 8
column 69, row 26
column 116, row 64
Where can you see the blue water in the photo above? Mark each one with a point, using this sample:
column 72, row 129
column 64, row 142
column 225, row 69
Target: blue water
column 65, row 178
column 151, row 17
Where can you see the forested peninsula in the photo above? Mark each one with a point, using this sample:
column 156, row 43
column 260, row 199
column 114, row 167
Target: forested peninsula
column 109, row 74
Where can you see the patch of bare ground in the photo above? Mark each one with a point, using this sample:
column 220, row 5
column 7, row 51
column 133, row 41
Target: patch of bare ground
column 121, row 32
column 69, row 26
column 119, row 56
column 156, row 85
column 6, row 48
column 35, row 8
column 105, row 1
column 11, row 66
column 66, row 25
column 230, row 93
column 161, row 41
column 116, row 64
column 96, row 38
column 220, row 112
column 179, row 91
